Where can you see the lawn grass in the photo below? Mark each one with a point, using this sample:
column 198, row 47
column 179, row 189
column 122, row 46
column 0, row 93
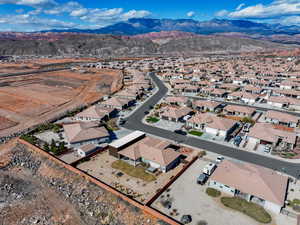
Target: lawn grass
column 213, row 192
column 196, row 133
column 249, row 208
column 137, row 172
column 151, row 119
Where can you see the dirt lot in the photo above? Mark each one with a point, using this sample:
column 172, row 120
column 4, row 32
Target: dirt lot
column 36, row 64
column 32, row 99
column 36, row 190
column 6, row 123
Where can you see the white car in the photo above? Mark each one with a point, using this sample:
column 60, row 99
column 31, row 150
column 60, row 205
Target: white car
column 219, row 159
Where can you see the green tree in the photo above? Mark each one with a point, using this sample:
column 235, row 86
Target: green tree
column 248, row 120
column 46, row 147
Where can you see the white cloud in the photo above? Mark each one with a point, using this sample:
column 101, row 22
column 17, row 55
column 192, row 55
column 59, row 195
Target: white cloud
column 240, row 6
column 28, row 22
column 278, row 8
column 32, row 3
column 191, row 14
column 79, row 12
column 90, row 17
column 135, row 14
column 64, row 8
column 222, row 13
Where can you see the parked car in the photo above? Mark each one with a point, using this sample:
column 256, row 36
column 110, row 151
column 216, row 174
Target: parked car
column 246, row 127
column 202, row 178
column 180, row 132
column 267, row 149
column 146, row 112
column 219, row 159
column 237, row 140
column 122, row 122
column 209, row 169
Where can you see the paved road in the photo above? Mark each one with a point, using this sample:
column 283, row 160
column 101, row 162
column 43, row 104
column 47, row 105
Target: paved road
column 134, row 122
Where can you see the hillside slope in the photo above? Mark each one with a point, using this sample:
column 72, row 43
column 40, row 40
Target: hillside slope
column 116, row 46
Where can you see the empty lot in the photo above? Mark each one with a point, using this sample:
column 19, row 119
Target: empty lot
column 29, row 100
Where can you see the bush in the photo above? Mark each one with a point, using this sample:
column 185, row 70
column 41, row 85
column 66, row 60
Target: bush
column 30, row 138
column 248, row 120
column 249, row 208
column 213, row 192
column 202, row 154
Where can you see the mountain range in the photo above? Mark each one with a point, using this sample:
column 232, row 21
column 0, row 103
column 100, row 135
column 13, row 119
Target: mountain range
column 146, row 25
column 143, row 37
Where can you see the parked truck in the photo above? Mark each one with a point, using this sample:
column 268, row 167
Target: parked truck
column 209, row 169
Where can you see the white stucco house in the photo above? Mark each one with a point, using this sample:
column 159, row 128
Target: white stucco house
column 253, row 183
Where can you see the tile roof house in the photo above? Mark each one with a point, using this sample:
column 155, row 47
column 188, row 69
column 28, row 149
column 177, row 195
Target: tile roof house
column 212, row 124
column 95, row 113
column 117, row 103
column 155, row 152
column 243, row 96
column 253, row 183
column 79, row 133
column 176, row 100
column 281, row 118
column 205, row 105
column 265, row 133
column 174, row 114
column 242, row 111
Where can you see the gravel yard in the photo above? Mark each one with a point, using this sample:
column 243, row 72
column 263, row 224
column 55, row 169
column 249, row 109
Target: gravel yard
column 99, row 166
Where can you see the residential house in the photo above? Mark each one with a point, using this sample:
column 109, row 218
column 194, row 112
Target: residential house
column 204, row 105
column 251, row 182
column 118, row 103
column 176, row 100
column 267, row 134
column 96, row 113
column 79, row 133
column 136, row 148
column 241, row 111
column 174, row 114
column 212, row 124
column 281, row 118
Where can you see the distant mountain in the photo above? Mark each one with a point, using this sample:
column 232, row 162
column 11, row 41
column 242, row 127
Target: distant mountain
column 146, row 25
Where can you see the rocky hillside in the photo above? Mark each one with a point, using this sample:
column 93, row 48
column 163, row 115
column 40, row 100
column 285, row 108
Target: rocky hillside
column 116, row 46
column 37, row 190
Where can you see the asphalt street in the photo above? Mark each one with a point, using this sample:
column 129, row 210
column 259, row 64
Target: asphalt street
column 134, row 122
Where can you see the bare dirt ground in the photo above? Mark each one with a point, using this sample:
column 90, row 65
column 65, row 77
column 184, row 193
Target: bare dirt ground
column 6, row 123
column 36, row 64
column 33, row 99
column 37, row 190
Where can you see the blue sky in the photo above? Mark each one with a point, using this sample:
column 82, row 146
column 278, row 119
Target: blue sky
column 33, row 15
